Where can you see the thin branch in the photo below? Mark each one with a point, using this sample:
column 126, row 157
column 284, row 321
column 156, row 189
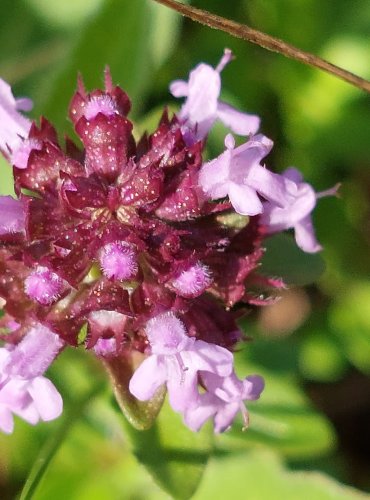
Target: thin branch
column 266, row 41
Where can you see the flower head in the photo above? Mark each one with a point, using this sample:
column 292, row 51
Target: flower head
column 121, row 247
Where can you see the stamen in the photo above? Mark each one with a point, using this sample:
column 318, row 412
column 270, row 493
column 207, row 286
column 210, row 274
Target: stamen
column 182, row 367
column 225, row 59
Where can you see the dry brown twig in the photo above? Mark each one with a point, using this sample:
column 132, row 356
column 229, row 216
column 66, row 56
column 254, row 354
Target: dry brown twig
column 266, row 41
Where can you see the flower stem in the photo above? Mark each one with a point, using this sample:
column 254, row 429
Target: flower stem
column 266, row 41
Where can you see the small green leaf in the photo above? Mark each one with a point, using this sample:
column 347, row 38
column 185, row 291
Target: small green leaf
column 174, row 456
column 82, row 334
column 6, row 184
column 284, row 259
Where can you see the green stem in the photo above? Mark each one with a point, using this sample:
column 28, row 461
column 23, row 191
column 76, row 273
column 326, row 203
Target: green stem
column 52, row 445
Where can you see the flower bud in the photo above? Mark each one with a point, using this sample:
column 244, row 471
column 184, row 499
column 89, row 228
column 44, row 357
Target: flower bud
column 44, row 286
column 167, row 334
column 118, row 261
column 100, row 104
column 193, row 281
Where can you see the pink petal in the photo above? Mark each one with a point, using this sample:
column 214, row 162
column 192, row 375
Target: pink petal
column 271, row 186
column 252, row 387
column 214, row 176
column 13, row 124
column 179, row 88
column 196, row 416
column 200, row 106
column 46, row 398
column 240, row 123
column 28, row 413
column 6, row 420
column 305, row 236
column 182, row 385
column 293, row 174
column 24, row 104
column 225, row 416
column 244, row 199
column 297, row 208
column 150, row 375
column 209, row 357
column 34, row 354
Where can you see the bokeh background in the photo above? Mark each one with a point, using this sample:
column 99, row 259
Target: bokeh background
column 309, row 435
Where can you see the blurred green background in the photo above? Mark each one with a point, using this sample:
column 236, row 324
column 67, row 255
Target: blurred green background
column 309, row 435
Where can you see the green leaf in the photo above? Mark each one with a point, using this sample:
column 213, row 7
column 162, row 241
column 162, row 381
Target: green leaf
column 284, row 259
column 116, row 36
column 173, row 455
column 261, row 475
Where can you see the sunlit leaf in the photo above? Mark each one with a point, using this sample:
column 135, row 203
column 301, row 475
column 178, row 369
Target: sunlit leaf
column 260, row 475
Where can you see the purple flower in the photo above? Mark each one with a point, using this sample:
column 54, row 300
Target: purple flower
column 203, row 107
column 238, row 174
column 296, row 212
column 176, row 360
column 223, row 400
column 24, row 390
column 12, row 215
column 13, row 125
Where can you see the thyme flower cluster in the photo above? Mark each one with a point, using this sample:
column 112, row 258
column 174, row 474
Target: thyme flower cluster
column 134, row 243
